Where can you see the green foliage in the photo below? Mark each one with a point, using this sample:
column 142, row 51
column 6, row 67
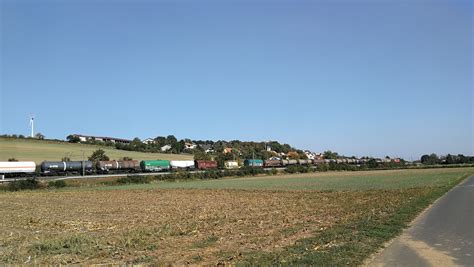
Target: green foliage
column 135, row 179
column 98, row 155
column 28, row 184
column 430, row 159
column 322, row 167
column 299, row 169
column 76, row 244
column 39, row 136
column 330, row 155
column 73, row 138
column 57, row 184
column 199, row 154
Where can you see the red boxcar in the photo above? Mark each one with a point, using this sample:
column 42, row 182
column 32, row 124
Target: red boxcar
column 205, row 164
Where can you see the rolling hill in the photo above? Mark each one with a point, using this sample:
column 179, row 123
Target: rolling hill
column 40, row 150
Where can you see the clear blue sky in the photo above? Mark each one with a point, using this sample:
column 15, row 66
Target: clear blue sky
column 358, row 77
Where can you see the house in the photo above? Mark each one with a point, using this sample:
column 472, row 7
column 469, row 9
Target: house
column 85, row 138
column 227, row 150
column 188, row 145
column 148, row 141
column 207, row 148
column 310, row 154
column 165, row 148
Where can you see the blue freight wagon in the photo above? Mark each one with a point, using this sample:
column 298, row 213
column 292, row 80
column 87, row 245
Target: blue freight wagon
column 253, row 162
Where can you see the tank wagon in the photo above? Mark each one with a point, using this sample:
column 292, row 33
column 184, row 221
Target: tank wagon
column 13, row 168
column 286, row 162
column 205, row 164
column 253, row 163
column 62, row 167
column 272, row 163
column 118, row 165
column 305, row 162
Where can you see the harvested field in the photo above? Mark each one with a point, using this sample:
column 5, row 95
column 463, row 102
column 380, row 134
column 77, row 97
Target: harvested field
column 204, row 226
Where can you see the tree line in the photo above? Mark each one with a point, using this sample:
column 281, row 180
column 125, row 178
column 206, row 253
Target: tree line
column 433, row 159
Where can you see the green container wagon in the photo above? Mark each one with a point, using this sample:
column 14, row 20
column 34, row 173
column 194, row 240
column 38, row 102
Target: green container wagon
column 154, row 165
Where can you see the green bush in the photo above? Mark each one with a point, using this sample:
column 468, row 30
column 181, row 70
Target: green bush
column 57, row 184
column 28, row 184
column 134, row 179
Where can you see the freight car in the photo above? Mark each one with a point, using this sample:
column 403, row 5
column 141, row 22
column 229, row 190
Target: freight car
column 286, row 162
column 272, row 163
column 17, row 168
column 154, row 165
column 118, row 166
column 205, row 164
column 253, row 163
column 231, row 164
column 182, row 164
column 305, row 162
column 65, row 167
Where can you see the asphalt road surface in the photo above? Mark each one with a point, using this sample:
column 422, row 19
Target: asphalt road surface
column 441, row 236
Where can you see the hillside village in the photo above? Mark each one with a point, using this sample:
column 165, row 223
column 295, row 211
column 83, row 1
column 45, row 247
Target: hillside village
column 235, row 149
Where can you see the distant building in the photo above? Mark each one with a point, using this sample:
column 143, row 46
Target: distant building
column 148, row 141
column 207, row 148
column 85, row 138
column 309, row 154
column 189, row 145
column 165, row 148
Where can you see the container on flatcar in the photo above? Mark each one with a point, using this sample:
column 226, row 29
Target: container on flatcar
column 66, row 166
column 17, row 167
column 118, row 165
column 231, row 164
column 205, row 164
column 154, row 165
column 182, row 164
column 253, row 163
column 272, row 163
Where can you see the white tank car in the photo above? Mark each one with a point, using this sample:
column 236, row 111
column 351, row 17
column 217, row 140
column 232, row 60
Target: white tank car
column 182, row 164
column 17, row 167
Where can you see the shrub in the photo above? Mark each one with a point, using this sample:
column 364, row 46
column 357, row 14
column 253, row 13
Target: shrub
column 134, row 179
column 28, row 184
column 57, row 184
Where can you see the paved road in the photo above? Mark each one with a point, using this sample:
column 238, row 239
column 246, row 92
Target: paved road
column 441, row 236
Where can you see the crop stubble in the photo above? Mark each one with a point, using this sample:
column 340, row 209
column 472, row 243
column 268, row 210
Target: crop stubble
column 175, row 226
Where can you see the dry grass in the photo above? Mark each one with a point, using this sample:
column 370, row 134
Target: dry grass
column 35, row 150
column 175, row 226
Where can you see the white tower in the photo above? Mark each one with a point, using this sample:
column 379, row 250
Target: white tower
column 32, row 124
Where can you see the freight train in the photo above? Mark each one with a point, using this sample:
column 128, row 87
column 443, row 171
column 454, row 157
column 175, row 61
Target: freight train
column 132, row 166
